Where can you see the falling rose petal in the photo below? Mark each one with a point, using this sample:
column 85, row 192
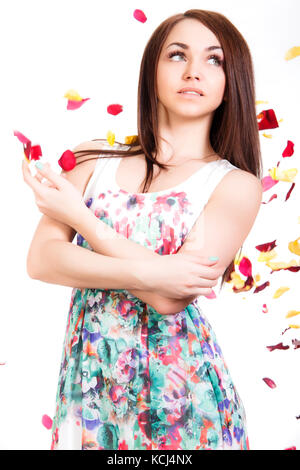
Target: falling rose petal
column 35, row 152
column 292, row 53
column 268, row 136
column 289, row 192
column 140, row 16
column 265, row 308
column 212, row 295
column 236, row 280
column 67, row 161
column 76, row 104
column 2, row 363
column 269, row 382
column 268, row 182
column 274, row 196
column 296, row 343
column 289, row 149
column 73, row 95
column 131, row 139
column 277, row 346
column 47, row 421
column 110, row 137
column 280, row 291
column 261, row 287
column 292, row 313
column 294, row 246
column 290, row 448
column 264, row 257
column 285, row 331
column 245, row 267
column 293, row 265
column 283, row 175
column 269, row 246
column 114, row 109
column 22, row 137
column 267, row 120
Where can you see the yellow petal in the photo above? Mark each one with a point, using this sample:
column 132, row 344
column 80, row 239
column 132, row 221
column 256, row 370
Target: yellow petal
column 292, row 53
column 267, row 255
column 281, row 264
column 292, row 313
column 236, row 280
column 280, row 120
column 294, row 246
column 280, row 291
column 110, row 137
column 131, row 139
column 294, row 326
column 257, row 277
column 261, row 102
column 269, row 136
column 283, row 175
column 73, row 95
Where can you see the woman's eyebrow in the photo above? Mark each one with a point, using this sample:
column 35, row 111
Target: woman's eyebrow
column 185, row 46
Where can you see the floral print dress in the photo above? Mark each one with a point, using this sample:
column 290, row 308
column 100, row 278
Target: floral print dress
column 131, row 378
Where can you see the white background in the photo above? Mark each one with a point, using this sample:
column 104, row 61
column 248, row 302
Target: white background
column 95, row 48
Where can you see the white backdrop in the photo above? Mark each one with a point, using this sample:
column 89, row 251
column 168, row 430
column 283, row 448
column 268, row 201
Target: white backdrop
column 95, row 48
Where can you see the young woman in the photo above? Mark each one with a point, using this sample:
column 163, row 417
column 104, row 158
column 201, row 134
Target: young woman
column 141, row 366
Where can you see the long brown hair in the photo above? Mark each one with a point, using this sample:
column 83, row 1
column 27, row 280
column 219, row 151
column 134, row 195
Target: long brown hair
column 234, row 131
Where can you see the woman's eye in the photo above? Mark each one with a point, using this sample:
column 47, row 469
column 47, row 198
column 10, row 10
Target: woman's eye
column 175, row 53
column 217, row 59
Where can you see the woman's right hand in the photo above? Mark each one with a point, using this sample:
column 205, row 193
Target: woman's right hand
column 181, row 275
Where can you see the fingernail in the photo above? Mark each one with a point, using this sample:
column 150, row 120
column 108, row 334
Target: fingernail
column 39, row 165
column 213, row 258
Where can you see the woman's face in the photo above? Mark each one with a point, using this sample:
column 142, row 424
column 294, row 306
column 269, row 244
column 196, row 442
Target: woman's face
column 194, row 67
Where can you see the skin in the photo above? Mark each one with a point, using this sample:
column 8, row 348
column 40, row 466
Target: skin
column 185, row 121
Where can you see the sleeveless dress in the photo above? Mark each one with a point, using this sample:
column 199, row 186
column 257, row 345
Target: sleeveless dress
column 131, row 378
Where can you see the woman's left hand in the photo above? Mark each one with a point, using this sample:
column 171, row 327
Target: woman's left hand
column 57, row 198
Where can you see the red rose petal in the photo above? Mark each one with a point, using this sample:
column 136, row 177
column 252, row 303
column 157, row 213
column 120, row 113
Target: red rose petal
column 114, row 109
column 269, row 382
column 245, row 267
column 47, row 421
column 67, row 161
column 290, row 448
column 35, row 152
column 140, row 16
column 274, row 196
column 289, row 149
column 289, row 192
column 277, row 346
column 268, row 120
column 269, row 246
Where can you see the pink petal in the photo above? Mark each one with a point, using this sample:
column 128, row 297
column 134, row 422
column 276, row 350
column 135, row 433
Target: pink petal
column 72, row 104
column 269, row 382
column 22, row 137
column 140, row 16
column 268, row 182
column 47, row 421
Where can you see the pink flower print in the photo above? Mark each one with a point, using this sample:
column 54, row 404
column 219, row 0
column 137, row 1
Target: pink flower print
column 117, row 393
column 125, row 368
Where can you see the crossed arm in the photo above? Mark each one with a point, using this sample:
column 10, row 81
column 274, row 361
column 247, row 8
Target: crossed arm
column 221, row 228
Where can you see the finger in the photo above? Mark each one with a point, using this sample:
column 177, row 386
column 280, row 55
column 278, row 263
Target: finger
column 28, row 178
column 57, row 180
